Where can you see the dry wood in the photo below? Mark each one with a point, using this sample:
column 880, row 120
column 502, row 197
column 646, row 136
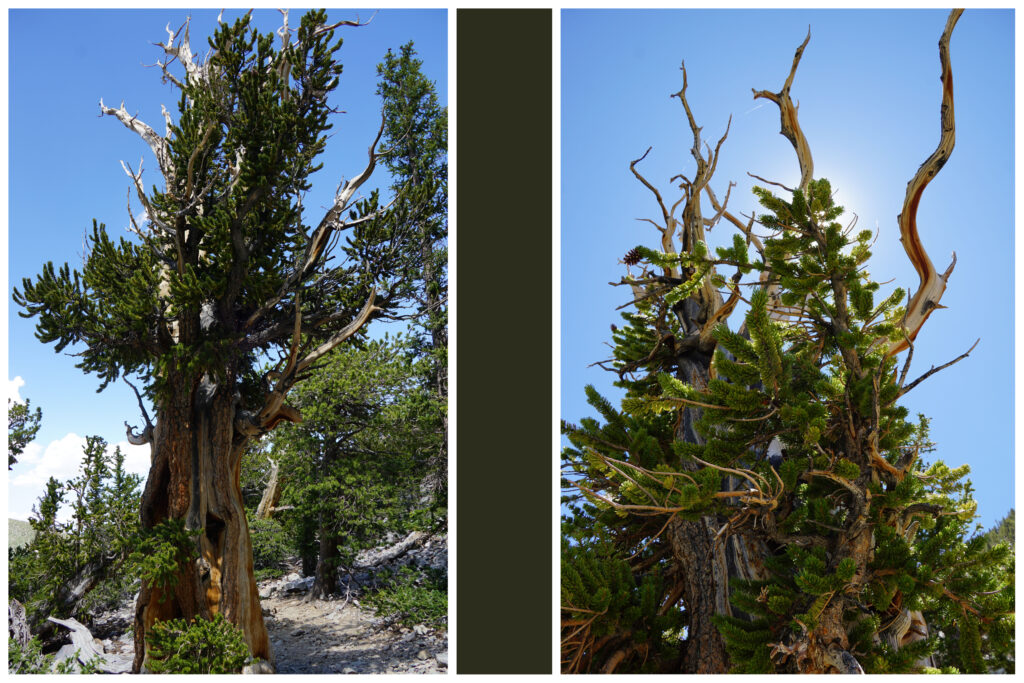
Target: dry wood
column 85, row 649
column 271, row 493
column 932, row 284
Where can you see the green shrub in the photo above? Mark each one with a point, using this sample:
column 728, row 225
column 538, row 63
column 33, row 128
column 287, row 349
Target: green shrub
column 413, row 596
column 270, row 546
column 198, row 647
column 28, row 659
column 31, row 660
column 162, row 550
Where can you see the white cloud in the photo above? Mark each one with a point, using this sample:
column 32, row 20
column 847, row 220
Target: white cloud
column 60, row 459
column 13, row 385
column 136, row 458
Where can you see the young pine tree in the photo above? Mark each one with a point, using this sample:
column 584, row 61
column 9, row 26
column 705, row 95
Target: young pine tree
column 354, row 468
column 416, row 136
column 67, row 560
column 22, row 427
column 227, row 272
column 761, row 502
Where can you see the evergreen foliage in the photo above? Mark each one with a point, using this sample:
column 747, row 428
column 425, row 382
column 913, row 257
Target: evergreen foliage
column 22, row 426
column 800, row 451
column 101, row 534
column 29, row 659
column 163, row 550
column 271, row 546
column 356, row 463
column 416, row 136
column 413, row 596
column 1004, row 531
column 201, row 646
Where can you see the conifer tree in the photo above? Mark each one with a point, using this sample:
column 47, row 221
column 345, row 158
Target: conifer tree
column 416, row 137
column 354, row 467
column 226, row 272
column 22, row 427
column 761, row 502
column 53, row 575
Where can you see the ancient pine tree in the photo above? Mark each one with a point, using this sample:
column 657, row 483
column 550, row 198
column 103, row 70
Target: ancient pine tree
column 229, row 294
column 760, row 503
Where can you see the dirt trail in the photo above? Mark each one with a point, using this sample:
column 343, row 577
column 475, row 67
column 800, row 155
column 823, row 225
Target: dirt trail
column 335, row 636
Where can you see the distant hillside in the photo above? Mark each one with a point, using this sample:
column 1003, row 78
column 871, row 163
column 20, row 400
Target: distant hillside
column 19, row 533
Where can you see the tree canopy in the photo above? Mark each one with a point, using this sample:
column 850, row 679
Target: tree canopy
column 760, row 501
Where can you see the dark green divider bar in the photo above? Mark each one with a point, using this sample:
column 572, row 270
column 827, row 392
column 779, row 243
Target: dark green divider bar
column 504, row 229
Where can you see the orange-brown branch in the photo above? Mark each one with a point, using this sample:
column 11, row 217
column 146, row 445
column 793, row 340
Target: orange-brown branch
column 932, row 284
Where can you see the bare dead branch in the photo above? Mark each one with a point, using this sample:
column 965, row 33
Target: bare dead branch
column 343, row 334
column 933, row 370
column 932, row 284
column 156, row 142
column 666, row 236
column 788, row 117
column 770, row 182
column 146, row 435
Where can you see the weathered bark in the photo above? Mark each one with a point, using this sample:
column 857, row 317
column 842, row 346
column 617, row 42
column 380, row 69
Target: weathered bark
column 413, row 540
column 326, row 581
column 707, row 562
column 271, row 494
column 66, row 598
column 932, row 284
column 84, row 649
column 195, row 476
column 692, row 545
column 17, row 624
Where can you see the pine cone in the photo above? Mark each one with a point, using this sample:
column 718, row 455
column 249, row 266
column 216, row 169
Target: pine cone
column 632, row 257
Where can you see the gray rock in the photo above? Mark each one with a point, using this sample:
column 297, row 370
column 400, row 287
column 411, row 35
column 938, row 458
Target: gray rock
column 442, row 659
column 422, row 655
column 348, row 670
column 298, row 585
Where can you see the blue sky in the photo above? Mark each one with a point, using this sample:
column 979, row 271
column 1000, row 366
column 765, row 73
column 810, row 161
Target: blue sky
column 65, row 171
column 869, row 92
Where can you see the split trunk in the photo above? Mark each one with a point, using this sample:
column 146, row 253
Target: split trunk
column 194, row 476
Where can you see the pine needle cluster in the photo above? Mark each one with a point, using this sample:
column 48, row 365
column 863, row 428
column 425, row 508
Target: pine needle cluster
column 796, row 447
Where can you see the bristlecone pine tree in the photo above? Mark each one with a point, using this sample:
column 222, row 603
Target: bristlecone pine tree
column 760, row 502
column 226, row 274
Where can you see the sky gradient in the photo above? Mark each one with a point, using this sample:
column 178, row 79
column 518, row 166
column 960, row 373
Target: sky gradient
column 869, row 92
column 65, row 172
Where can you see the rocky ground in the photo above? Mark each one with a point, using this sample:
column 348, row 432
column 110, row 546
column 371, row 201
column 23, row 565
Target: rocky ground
column 337, row 635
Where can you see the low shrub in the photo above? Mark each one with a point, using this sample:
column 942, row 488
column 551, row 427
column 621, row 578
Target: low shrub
column 31, row 660
column 413, row 596
column 196, row 647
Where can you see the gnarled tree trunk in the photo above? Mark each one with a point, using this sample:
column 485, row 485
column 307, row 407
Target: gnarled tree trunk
column 194, row 476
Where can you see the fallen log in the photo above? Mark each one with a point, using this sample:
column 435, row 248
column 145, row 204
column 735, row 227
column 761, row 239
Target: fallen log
column 413, row 540
column 84, row 649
